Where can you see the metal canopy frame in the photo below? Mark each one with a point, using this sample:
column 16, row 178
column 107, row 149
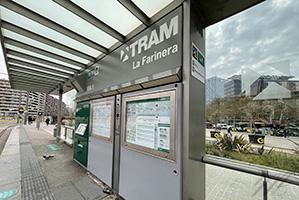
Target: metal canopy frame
column 31, row 53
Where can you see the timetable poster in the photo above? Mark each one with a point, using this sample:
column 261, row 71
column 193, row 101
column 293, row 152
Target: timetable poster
column 148, row 123
column 101, row 120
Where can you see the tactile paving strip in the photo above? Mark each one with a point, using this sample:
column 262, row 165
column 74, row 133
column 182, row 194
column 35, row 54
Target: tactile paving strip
column 34, row 183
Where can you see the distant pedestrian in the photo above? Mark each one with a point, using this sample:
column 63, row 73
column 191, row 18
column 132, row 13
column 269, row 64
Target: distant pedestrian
column 47, row 121
column 229, row 129
column 286, row 133
column 29, row 120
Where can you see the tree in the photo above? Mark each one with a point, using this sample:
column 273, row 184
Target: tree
column 256, row 112
column 214, row 111
column 233, row 107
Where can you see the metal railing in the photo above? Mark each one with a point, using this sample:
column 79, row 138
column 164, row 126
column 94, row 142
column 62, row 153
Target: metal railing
column 266, row 173
column 67, row 134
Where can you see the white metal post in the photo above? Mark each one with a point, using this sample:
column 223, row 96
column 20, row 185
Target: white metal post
column 26, row 110
column 59, row 116
column 38, row 117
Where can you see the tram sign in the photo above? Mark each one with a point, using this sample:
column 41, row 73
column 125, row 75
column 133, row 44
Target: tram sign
column 21, row 110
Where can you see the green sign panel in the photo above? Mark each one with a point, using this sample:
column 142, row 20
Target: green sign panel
column 7, row 193
column 81, row 139
column 53, row 147
column 93, row 72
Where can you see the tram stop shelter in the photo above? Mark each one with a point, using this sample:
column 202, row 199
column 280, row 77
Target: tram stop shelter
column 124, row 57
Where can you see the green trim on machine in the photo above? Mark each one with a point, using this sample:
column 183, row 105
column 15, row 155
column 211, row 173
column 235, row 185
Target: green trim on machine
column 81, row 141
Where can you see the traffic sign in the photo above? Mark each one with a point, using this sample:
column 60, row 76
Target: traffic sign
column 21, row 110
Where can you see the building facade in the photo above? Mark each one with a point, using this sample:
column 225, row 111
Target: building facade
column 262, row 82
column 11, row 100
column 214, row 88
column 233, row 86
column 51, row 107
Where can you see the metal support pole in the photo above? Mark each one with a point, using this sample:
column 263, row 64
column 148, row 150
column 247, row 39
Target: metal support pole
column 38, row 110
column 18, row 120
column 265, row 189
column 26, row 111
column 59, row 116
column 193, row 118
column 116, row 146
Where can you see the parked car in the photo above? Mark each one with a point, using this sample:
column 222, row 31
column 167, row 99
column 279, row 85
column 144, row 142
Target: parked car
column 222, row 126
column 209, row 125
column 293, row 130
column 256, row 130
column 239, row 129
column 290, row 130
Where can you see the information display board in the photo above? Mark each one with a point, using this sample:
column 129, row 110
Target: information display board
column 81, row 129
column 102, row 119
column 149, row 123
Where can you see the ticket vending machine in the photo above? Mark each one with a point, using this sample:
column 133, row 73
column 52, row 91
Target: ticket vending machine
column 150, row 157
column 81, row 133
column 101, row 136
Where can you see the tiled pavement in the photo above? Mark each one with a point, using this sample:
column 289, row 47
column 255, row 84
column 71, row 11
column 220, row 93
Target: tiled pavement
column 21, row 169
column 226, row 184
column 34, row 183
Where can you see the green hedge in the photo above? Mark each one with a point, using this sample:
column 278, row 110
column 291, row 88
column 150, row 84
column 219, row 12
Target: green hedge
column 283, row 161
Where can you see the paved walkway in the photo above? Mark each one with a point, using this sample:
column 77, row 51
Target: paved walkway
column 10, row 165
column 226, row 184
column 24, row 169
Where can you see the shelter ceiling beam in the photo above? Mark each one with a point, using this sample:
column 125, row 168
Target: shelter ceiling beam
column 23, row 63
column 51, row 24
column 35, row 89
column 33, row 77
column 33, row 82
column 40, row 60
column 29, row 85
column 41, row 77
column 77, row 10
column 22, row 69
column 136, row 11
column 42, row 52
column 44, row 40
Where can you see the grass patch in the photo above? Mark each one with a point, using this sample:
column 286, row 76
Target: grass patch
column 277, row 160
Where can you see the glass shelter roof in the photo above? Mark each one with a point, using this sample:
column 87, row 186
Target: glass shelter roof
column 47, row 43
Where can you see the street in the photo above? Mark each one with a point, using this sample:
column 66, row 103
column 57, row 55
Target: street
column 270, row 141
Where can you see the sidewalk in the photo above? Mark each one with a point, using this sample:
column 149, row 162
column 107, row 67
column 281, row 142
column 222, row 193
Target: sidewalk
column 10, row 165
column 25, row 172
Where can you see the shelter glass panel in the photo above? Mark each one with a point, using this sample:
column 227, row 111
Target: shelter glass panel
column 36, row 63
column 35, row 27
column 8, row 46
column 60, row 15
column 111, row 12
column 150, row 8
column 43, row 46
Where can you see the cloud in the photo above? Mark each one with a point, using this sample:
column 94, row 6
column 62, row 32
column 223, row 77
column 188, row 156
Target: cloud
column 265, row 33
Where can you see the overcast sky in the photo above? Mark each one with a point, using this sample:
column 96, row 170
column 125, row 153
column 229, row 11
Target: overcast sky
column 266, row 33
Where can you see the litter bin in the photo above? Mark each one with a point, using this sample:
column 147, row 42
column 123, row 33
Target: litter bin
column 55, row 132
column 215, row 134
column 257, row 139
